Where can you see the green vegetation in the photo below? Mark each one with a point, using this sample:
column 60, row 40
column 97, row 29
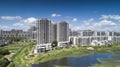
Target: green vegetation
column 70, row 42
column 23, row 56
column 58, row 54
column 61, row 66
column 14, row 39
column 3, row 61
column 4, row 51
column 54, row 44
column 112, row 61
column 23, row 50
column 18, row 51
column 107, row 63
column 15, row 46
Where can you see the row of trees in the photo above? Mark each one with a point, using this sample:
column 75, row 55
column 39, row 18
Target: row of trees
column 16, row 39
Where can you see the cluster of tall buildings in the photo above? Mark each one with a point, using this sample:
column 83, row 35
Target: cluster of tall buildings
column 47, row 32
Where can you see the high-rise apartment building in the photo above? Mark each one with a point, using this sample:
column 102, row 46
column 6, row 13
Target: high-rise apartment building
column 44, row 31
column 62, row 31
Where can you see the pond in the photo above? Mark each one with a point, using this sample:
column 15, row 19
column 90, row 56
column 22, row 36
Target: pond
column 75, row 61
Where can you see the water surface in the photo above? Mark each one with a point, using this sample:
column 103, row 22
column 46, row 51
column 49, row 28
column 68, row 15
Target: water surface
column 75, row 61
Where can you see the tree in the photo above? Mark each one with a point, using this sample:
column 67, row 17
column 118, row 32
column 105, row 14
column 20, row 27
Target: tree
column 12, row 65
column 4, row 62
column 4, row 51
column 54, row 44
column 70, row 42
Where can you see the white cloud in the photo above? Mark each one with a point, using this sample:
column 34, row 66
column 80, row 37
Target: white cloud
column 25, row 23
column 114, row 17
column 18, row 24
column 75, row 20
column 3, row 27
column 87, row 22
column 55, row 15
column 102, row 25
column 10, row 17
column 70, row 25
column 30, row 20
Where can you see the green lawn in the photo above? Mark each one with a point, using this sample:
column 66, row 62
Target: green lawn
column 13, row 48
column 22, row 56
column 21, row 51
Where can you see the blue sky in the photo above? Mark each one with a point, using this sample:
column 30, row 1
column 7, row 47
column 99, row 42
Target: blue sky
column 81, row 14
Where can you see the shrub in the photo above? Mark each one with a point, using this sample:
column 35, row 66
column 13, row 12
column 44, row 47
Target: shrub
column 12, row 65
column 4, row 62
column 4, row 51
column 1, row 56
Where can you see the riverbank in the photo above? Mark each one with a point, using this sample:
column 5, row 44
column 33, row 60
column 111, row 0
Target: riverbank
column 58, row 54
column 23, row 59
column 112, row 61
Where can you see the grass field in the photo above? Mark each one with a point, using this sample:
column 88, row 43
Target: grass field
column 13, row 48
column 21, row 51
column 22, row 57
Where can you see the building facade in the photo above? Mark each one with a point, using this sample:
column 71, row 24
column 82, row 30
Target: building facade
column 88, row 37
column 32, row 33
column 54, row 32
column 62, row 31
column 13, row 33
column 44, row 31
column 48, row 32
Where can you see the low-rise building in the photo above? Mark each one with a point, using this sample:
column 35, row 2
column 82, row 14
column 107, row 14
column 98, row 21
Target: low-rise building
column 13, row 33
column 88, row 37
